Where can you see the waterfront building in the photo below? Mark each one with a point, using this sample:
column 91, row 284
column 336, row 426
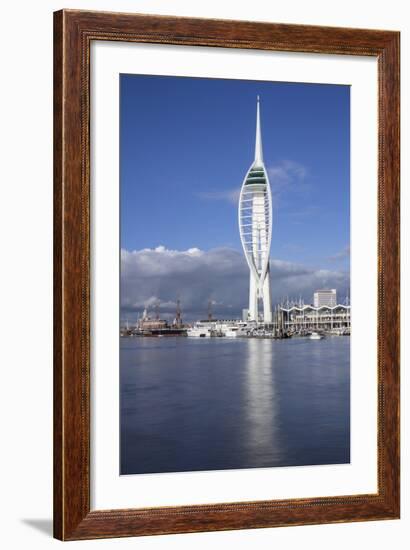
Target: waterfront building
column 324, row 318
column 245, row 314
column 255, row 228
column 326, row 297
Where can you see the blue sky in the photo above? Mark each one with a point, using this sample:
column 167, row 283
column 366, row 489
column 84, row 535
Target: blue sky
column 186, row 144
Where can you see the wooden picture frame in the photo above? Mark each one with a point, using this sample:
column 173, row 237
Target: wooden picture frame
column 74, row 32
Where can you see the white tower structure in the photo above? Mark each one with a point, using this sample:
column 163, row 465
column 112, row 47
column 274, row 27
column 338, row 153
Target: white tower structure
column 255, row 227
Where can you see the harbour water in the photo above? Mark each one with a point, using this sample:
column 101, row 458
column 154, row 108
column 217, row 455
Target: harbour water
column 215, row 403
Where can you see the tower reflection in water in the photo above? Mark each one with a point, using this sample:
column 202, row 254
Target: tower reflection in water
column 264, row 446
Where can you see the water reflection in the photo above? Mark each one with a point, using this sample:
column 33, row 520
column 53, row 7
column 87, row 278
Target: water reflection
column 212, row 404
column 262, row 445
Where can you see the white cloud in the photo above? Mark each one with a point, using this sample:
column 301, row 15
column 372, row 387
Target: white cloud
column 341, row 255
column 287, row 171
column 221, row 275
column 286, row 175
column 229, row 195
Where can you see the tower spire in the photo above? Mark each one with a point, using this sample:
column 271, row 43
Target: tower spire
column 258, row 140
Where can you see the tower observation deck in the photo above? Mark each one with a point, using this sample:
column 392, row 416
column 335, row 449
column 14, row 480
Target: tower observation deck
column 255, row 228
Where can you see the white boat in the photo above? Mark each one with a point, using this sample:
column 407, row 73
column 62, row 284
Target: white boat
column 231, row 332
column 199, row 331
column 316, row 336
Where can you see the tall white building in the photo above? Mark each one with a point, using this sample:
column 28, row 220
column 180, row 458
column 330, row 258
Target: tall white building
column 255, row 227
column 326, row 297
column 245, row 315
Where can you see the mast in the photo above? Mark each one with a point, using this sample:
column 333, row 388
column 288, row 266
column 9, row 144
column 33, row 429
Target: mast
column 210, row 310
column 178, row 319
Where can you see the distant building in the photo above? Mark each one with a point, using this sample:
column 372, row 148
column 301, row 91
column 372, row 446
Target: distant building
column 325, row 297
column 245, row 314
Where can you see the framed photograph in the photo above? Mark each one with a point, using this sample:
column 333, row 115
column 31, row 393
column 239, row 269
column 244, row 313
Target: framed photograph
column 226, row 275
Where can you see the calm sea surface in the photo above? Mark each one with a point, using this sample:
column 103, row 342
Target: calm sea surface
column 213, row 404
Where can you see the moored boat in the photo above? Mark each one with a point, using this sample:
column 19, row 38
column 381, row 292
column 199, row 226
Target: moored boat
column 199, row 330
